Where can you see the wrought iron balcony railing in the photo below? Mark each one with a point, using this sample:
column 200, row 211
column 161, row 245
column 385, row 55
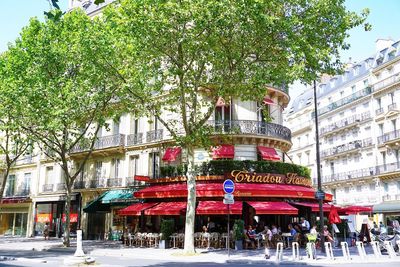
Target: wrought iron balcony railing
column 379, row 111
column 346, row 147
column 114, row 182
column 345, row 122
column 251, row 127
column 48, row 187
column 349, row 175
column 155, row 135
column 116, row 140
column 61, row 187
column 346, row 100
column 390, row 167
column 387, row 137
column 79, row 184
column 97, row 183
column 392, row 106
column 134, row 139
column 387, row 82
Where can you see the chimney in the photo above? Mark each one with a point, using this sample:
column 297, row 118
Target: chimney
column 381, row 44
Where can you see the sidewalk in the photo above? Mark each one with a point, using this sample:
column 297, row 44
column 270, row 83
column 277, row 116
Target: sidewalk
column 116, row 249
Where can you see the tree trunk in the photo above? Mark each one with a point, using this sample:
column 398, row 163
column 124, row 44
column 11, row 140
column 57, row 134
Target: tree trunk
column 191, row 203
column 3, row 183
column 66, row 241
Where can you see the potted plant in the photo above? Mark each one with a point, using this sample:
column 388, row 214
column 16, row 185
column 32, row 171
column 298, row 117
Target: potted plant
column 167, row 229
column 238, row 234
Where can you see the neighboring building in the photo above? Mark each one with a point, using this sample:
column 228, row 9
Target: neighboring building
column 358, row 130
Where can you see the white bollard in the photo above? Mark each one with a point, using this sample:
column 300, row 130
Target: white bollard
column 329, row 251
column 296, row 251
column 376, row 249
column 79, row 252
column 361, row 250
column 389, row 248
column 311, row 251
column 345, row 250
column 279, row 251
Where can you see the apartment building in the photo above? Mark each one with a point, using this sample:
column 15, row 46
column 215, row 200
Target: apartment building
column 358, row 130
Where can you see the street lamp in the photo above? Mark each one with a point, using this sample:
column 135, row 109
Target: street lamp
column 319, row 194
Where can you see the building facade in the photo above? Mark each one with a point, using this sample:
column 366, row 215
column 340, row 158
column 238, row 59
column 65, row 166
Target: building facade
column 358, row 130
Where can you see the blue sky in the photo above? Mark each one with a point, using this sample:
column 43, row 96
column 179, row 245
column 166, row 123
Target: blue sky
column 14, row 14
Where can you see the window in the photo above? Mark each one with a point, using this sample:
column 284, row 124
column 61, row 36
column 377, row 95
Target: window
column 298, row 142
column 394, row 127
column 366, row 105
column 391, row 97
column 341, row 94
column 133, row 165
column 398, row 185
column 98, row 170
column 330, row 140
column 371, row 187
column 344, row 161
column 10, row 185
column 116, row 167
column 135, row 126
column 341, row 114
column 116, row 124
column 343, row 137
column 346, row 190
column 330, row 99
column 365, row 82
column 386, row 187
column 308, row 157
column 49, row 175
column 353, row 89
column 379, row 102
column 358, row 188
column 383, row 153
column 154, row 164
column 307, row 139
column 332, row 167
column 26, row 187
column 353, row 110
column 99, row 133
column 380, row 128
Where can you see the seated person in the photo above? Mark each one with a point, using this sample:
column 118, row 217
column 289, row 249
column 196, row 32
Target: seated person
column 292, row 231
column 327, row 235
column 251, row 236
column 267, row 236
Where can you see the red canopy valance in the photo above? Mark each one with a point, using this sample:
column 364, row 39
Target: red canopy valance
column 272, row 207
column 218, row 207
column 355, row 209
column 223, row 152
column 314, row 206
column 136, row 209
column 268, row 153
column 171, row 154
column 167, row 208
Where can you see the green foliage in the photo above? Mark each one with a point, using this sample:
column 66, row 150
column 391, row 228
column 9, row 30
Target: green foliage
column 220, row 167
column 167, row 228
column 173, row 171
column 238, row 230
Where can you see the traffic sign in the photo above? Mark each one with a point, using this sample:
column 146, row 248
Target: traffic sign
column 228, row 196
column 320, row 195
column 229, row 186
column 229, row 201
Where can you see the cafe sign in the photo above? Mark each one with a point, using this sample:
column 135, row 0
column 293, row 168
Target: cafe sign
column 268, row 178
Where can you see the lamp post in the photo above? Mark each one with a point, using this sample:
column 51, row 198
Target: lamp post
column 319, row 194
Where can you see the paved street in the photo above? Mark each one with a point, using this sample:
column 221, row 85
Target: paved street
column 37, row 252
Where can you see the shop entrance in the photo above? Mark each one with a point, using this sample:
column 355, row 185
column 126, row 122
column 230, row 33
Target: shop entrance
column 13, row 224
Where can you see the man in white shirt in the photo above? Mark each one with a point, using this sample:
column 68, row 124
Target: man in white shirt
column 305, row 225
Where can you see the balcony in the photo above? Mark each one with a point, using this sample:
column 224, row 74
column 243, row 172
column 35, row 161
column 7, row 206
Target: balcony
column 392, row 107
column 24, row 160
column 379, row 111
column 133, row 183
column 388, row 169
column 349, row 175
column 114, row 182
column 389, row 137
column 346, row 148
column 155, row 135
column 239, row 127
column 344, row 101
column 105, row 142
column 345, row 123
column 61, row 187
column 392, row 80
column 97, row 183
column 47, row 188
column 134, row 139
column 79, row 184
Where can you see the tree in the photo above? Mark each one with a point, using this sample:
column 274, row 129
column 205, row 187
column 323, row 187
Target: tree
column 14, row 142
column 64, row 94
column 180, row 56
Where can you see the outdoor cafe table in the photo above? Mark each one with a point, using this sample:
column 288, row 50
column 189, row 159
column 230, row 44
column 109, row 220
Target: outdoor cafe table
column 287, row 237
column 174, row 237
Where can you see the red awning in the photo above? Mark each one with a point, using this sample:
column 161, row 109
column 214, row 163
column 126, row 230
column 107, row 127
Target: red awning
column 167, row 208
column 223, row 152
column 218, row 207
column 241, row 190
column 314, row 206
column 273, row 208
column 268, row 101
column 135, row 209
column 141, row 178
column 268, row 153
column 355, row 209
column 171, row 154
